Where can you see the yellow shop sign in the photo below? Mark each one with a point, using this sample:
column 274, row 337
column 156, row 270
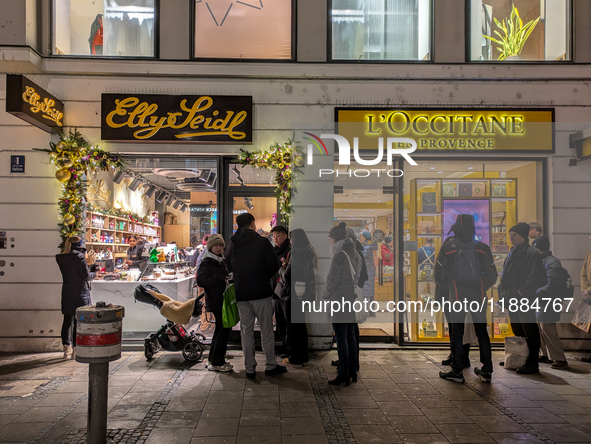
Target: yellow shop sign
column 452, row 129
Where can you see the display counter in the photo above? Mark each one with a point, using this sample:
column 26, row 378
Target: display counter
column 140, row 319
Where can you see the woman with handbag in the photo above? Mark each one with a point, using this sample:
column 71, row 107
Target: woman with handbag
column 75, row 289
column 212, row 275
column 342, row 275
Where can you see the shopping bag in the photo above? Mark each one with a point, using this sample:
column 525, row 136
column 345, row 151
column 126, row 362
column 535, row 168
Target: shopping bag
column 582, row 317
column 230, row 315
column 516, row 352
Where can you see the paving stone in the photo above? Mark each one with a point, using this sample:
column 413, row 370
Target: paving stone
column 261, row 403
column 139, row 398
column 295, row 426
column 498, row 423
column 39, row 414
column 412, row 424
column 364, row 416
column 59, row 400
column 374, row 434
column 225, row 396
column 446, row 416
column 357, row 402
column 221, row 410
column 403, row 408
column 178, row 420
column 214, row 440
column 186, row 404
column 407, row 378
column 459, row 395
column 14, row 432
column 299, row 409
column 562, row 407
column 464, row 433
column 269, row 434
column 536, row 416
column 265, row 390
column 217, row 427
column 424, row 439
column 563, row 433
column 178, row 435
column 5, row 419
column 430, row 401
column 512, row 401
column 516, row 438
column 581, row 401
column 539, row 394
column 304, row 439
column 476, row 408
column 296, row 396
column 263, row 418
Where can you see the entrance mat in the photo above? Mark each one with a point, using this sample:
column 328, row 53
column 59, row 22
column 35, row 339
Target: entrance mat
column 372, row 332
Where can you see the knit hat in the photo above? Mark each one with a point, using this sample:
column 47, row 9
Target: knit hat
column 389, row 239
column 215, row 239
column 522, row 229
column 338, row 232
column 366, row 235
column 542, row 243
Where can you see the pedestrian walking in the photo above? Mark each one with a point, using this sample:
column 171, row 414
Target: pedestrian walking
column 467, row 271
column 523, row 274
column 212, row 276
column 76, row 278
column 253, row 262
column 340, row 286
column 547, row 316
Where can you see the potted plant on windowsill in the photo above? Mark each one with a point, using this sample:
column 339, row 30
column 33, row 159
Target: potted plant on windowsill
column 512, row 35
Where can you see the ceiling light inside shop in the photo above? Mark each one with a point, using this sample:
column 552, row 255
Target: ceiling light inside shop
column 135, row 183
column 170, row 200
column 150, row 191
column 432, row 168
column 439, row 172
column 177, row 204
column 184, row 208
column 118, row 177
column 470, row 168
column 160, row 196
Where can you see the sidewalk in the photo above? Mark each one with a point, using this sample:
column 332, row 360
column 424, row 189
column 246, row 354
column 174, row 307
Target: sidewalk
column 399, row 398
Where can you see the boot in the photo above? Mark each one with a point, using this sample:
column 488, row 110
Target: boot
column 339, row 380
column 466, row 357
column 448, row 360
column 67, row 351
column 73, row 353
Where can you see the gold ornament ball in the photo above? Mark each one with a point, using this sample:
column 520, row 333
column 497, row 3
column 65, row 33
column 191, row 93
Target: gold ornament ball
column 63, row 175
column 61, row 147
column 299, row 161
column 69, row 219
column 64, row 162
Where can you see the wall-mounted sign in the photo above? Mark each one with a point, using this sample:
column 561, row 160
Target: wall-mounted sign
column 146, row 117
column 17, row 164
column 581, row 142
column 33, row 104
column 451, row 130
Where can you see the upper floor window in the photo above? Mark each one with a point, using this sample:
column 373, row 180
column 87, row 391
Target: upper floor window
column 514, row 30
column 245, row 29
column 114, row 28
column 381, row 29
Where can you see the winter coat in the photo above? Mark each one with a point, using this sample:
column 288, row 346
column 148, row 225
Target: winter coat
column 523, row 273
column 282, row 253
column 443, row 272
column 76, row 281
column 387, row 255
column 301, row 269
column 253, row 261
column 340, row 284
column 134, row 254
column 551, row 290
column 211, row 276
column 586, row 274
column 363, row 276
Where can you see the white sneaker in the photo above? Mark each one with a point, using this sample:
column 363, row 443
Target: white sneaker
column 67, row 351
column 220, row 368
column 73, row 353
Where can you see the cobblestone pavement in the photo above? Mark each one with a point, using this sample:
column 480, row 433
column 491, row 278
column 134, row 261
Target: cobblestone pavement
column 399, row 399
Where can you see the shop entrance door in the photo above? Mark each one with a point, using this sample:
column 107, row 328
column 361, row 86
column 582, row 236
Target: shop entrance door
column 261, row 203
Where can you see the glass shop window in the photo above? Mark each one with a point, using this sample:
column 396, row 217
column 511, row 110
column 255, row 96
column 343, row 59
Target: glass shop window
column 520, row 30
column 247, row 29
column 113, row 28
column 381, row 29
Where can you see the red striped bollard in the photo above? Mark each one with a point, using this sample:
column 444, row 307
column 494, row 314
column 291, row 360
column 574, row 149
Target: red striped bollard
column 98, row 342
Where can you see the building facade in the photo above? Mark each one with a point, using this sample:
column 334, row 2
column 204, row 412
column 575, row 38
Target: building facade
column 323, row 60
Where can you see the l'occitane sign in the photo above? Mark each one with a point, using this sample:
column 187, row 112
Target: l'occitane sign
column 452, row 129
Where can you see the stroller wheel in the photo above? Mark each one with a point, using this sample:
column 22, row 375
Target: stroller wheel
column 148, row 353
column 192, row 351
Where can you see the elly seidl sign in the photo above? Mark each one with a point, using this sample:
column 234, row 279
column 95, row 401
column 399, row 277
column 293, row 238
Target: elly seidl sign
column 33, row 104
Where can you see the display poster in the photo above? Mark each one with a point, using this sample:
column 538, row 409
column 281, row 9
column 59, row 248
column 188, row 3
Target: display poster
column 479, row 208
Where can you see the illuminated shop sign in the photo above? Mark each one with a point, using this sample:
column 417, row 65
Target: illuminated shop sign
column 179, row 118
column 452, row 129
column 33, row 104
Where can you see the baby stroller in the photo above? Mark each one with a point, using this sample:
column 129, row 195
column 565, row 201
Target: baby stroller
column 171, row 336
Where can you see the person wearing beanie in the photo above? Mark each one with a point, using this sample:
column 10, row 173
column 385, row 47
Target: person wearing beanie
column 369, row 253
column 459, row 279
column 212, row 276
column 550, row 343
column 343, row 273
column 388, row 252
column 523, row 274
column 75, row 289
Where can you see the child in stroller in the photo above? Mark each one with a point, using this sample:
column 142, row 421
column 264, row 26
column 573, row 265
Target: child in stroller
column 172, row 336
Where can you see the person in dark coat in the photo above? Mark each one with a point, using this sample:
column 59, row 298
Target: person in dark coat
column 469, row 284
column 547, row 317
column 212, row 276
column 339, row 287
column 252, row 260
column 134, row 252
column 523, row 274
column 75, row 289
column 301, row 267
column 282, row 249
column 369, row 251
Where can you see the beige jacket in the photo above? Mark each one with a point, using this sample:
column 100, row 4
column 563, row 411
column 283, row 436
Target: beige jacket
column 586, row 274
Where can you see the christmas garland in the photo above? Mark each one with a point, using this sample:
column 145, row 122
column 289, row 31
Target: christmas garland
column 75, row 159
column 285, row 159
column 118, row 212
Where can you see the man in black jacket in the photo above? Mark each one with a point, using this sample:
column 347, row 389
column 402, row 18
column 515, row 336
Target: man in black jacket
column 466, row 270
column 253, row 261
column 282, row 249
column 523, row 274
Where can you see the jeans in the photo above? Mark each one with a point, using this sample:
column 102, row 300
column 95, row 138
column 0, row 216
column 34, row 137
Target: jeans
column 457, row 341
column 262, row 309
column 66, row 329
column 550, row 342
column 524, row 324
column 219, row 342
column 346, row 349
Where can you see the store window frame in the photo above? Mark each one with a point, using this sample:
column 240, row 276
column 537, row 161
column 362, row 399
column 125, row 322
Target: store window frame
column 400, row 186
column 107, row 57
column 330, row 59
column 569, row 46
column 292, row 59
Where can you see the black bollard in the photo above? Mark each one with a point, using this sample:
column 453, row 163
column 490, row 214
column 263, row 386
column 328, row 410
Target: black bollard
column 98, row 395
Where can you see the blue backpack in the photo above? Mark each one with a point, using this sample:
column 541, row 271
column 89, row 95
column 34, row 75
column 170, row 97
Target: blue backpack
column 466, row 269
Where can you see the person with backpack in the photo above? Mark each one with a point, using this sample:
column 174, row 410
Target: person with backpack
column 557, row 285
column 523, row 274
column 467, row 272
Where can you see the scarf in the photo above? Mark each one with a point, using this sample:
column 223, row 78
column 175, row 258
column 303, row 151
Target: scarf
column 209, row 254
column 336, row 247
